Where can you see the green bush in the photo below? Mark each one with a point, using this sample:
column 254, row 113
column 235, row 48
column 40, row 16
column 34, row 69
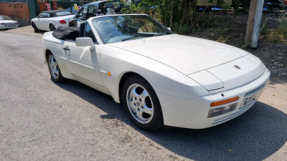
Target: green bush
column 282, row 30
column 278, row 34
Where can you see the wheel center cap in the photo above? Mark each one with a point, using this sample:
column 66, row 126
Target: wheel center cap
column 138, row 103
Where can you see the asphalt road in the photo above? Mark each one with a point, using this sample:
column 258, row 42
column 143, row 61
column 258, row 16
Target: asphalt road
column 42, row 120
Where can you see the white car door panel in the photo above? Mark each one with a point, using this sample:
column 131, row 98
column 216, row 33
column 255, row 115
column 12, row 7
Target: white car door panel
column 40, row 23
column 82, row 62
column 46, row 24
column 42, row 20
column 36, row 22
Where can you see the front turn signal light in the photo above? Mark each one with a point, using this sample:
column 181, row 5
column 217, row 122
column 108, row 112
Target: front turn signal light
column 218, row 103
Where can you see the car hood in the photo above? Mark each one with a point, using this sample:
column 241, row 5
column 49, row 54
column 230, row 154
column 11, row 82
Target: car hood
column 183, row 53
column 7, row 21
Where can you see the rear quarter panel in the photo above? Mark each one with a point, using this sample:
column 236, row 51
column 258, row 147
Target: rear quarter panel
column 56, row 20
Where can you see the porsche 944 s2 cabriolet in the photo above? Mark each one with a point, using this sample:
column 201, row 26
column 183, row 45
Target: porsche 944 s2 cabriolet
column 161, row 78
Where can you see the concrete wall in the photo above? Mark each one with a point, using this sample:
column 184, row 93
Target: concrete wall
column 17, row 11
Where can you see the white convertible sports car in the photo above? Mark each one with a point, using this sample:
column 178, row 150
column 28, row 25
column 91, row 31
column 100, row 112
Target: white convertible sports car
column 51, row 20
column 7, row 23
column 160, row 77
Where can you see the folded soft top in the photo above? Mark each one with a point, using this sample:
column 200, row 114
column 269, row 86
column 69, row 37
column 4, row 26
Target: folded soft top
column 66, row 33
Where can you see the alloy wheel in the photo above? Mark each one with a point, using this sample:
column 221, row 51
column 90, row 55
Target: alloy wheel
column 139, row 103
column 53, row 66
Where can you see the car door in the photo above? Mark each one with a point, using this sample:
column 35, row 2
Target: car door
column 93, row 10
column 81, row 15
column 37, row 21
column 80, row 61
column 43, row 21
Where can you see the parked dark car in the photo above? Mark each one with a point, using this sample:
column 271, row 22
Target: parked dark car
column 271, row 4
column 94, row 9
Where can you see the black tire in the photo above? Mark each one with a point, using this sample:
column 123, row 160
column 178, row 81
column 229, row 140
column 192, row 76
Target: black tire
column 57, row 78
column 35, row 27
column 156, row 121
column 52, row 27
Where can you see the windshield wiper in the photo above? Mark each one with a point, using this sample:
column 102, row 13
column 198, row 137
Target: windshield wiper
column 131, row 37
column 159, row 34
column 138, row 35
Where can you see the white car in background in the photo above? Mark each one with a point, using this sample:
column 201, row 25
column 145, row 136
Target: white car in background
column 161, row 78
column 51, row 20
column 7, row 23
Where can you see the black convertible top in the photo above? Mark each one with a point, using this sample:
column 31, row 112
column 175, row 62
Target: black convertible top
column 53, row 13
column 66, row 33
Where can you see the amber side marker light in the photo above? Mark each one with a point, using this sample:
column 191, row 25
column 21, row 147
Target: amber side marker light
column 218, row 103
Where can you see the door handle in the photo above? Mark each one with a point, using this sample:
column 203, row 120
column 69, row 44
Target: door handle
column 66, row 48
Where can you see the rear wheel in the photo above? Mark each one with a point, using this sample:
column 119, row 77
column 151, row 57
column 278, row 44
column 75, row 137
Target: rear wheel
column 52, row 27
column 141, row 104
column 35, row 27
column 54, row 69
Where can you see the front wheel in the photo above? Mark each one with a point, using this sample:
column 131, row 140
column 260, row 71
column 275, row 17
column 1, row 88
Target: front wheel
column 54, row 69
column 141, row 104
column 35, row 27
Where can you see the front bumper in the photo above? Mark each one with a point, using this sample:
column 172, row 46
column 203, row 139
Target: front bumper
column 8, row 27
column 185, row 113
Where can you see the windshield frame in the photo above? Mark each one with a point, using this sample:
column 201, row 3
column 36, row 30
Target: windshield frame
column 122, row 15
column 4, row 19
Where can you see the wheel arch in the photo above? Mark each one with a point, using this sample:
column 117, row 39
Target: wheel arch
column 51, row 23
column 47, row 51
column 123, row 79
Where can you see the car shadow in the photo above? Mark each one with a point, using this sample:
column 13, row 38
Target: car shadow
column 255, row 135
column 40, row 32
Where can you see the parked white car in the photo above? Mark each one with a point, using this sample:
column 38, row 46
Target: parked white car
column 51, row 20
column 160, row 77
column 7, row 23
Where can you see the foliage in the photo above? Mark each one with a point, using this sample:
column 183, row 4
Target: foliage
column 279, row 34
column 180, row 15
column 177, row 14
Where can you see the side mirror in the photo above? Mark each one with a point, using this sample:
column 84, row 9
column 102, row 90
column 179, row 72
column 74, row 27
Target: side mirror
column 169, row 28
column 85, row 41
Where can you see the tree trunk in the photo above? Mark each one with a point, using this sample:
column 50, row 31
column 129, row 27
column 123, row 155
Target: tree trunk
column 171, row 12
column 194, row 11
column 184, row 18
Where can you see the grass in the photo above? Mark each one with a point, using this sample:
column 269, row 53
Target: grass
column 278, row 34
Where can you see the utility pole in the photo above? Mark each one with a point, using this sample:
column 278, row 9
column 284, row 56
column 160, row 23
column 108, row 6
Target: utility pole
column 250, row 22
column 257, row 23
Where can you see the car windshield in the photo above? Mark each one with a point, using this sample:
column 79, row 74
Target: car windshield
column 4, row 18
column 63, row 13
column 128, row 27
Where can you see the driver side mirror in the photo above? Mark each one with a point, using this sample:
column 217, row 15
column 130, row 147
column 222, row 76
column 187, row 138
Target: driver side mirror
column 85, row 41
